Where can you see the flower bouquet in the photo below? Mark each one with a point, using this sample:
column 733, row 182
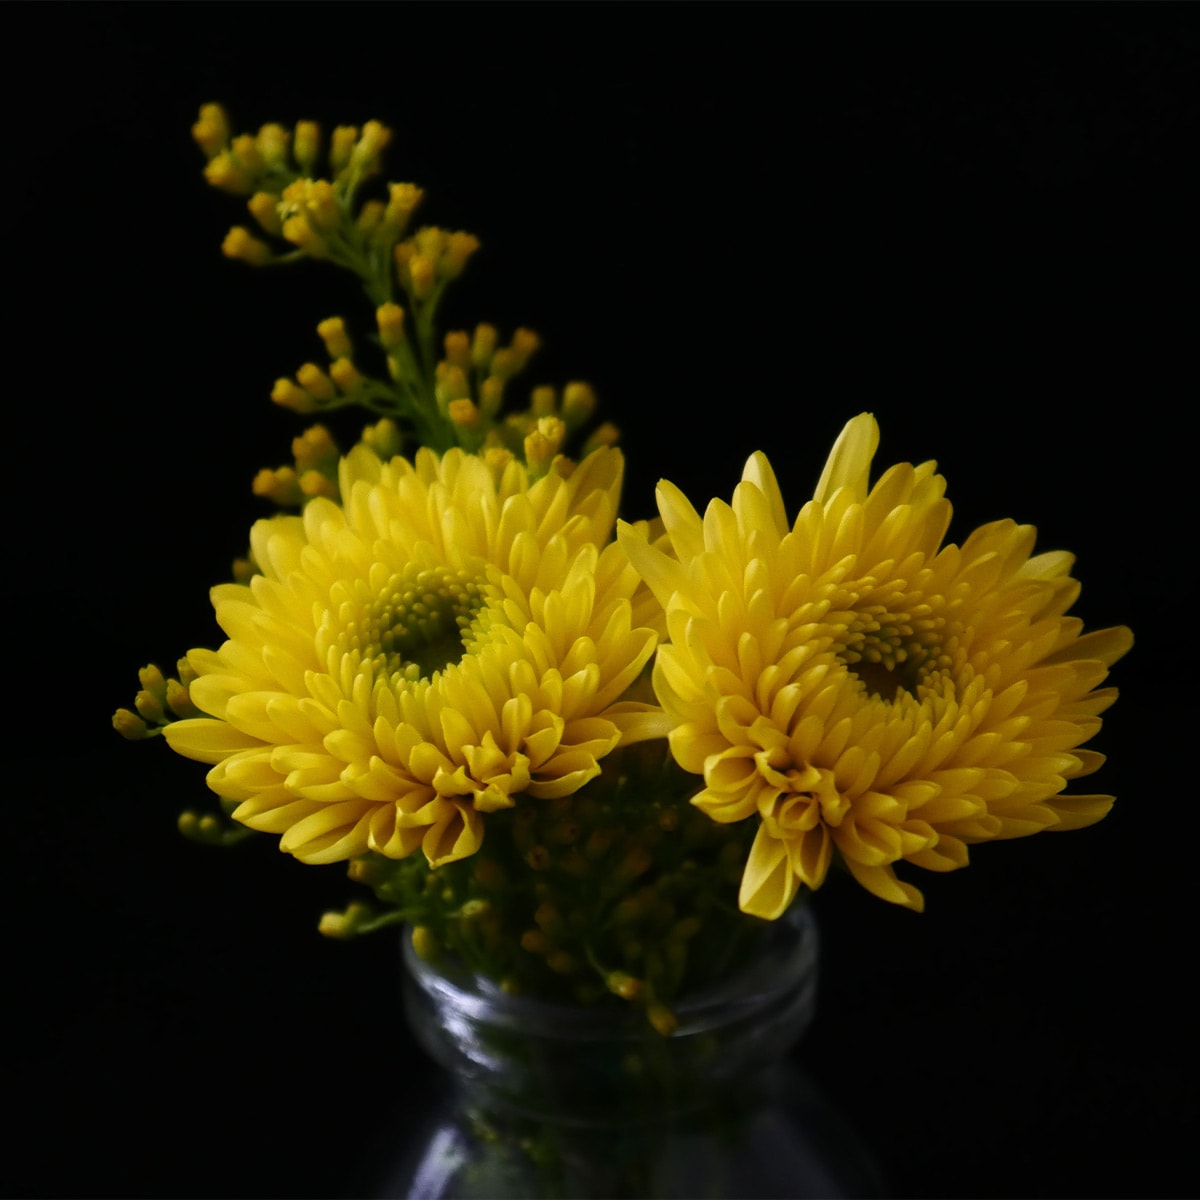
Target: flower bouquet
column 595, row 766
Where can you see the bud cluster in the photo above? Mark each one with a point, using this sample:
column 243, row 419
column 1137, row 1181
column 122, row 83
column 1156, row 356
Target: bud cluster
column 595, row 898
column 313, row 471
column 447, row 394
column 160, row 701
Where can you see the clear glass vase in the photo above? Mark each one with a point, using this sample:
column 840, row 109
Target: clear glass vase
column 553, row 1100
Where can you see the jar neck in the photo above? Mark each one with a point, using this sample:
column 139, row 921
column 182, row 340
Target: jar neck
column 586, row 1065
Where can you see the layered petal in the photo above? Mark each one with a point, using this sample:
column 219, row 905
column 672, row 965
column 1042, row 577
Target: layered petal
column 452, row 638
column 862, row 689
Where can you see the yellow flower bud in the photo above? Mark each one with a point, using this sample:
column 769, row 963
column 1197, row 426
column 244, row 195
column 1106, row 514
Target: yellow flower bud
column 314, row 483
column 519, row 426
column 300, row 233
column 451, row 382
column 430, row 241
column 264, row 208
column 314, row 449
column 483, row 345
column 129, row 725
column 149, row 707
column 295, row 194
column 342, row 146
column 543, row 401
column 151, row 678
column 623, row 985
column 209, row 829
column 345, row 375
column 533, row 941
column 503, row 364
column 279, row 486
column 240, row 243
column 605, row 435
column 390, row 320
column 543, row 443
column 366, row 152
column 538, row 454
column 491, row 395
column 286, row 394
column 458, row 349
column 370, row 217
column 320, row 203
column 553, row 428
column 459, row 247
column 211, row 131
column 524, row 343
column 384, row 438
column 245, row 152
column 343, row 924
column 402, row 202
column 663, row 1019
column 314, row 381
column 422, row 273
column 179, row 700
column 332, row 331
column 579, row 403
column 425, row 943
column 306, row 144
column 272, row 144
column 224, row 172
column 464, row 413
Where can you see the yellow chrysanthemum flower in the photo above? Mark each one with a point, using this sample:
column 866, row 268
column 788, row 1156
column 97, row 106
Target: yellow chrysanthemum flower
column 451, row 637
column 858, row 686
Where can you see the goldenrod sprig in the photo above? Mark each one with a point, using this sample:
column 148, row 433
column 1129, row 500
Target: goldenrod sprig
column 313, row 471
column 160, row 701
column 357, row 919
column 211, row 830
column 449, row 390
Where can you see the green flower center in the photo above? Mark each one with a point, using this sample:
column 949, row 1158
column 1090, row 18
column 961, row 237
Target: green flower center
column 418, row 622
column 892, row 650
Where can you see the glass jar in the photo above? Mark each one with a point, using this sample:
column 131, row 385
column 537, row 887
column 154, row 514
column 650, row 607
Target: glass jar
column 553, row 1100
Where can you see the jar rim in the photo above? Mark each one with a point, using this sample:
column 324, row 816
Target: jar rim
column 786, row 957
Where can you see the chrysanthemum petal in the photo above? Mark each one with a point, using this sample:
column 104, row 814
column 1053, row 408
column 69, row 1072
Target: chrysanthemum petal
column 882, row 882
column 849, row 462
column 206, row 740
column 759, row 473
column 769, row 884
column 1078, row 812
column 1104, row 645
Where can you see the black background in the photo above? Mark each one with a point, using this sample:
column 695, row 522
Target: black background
column 743, row 224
